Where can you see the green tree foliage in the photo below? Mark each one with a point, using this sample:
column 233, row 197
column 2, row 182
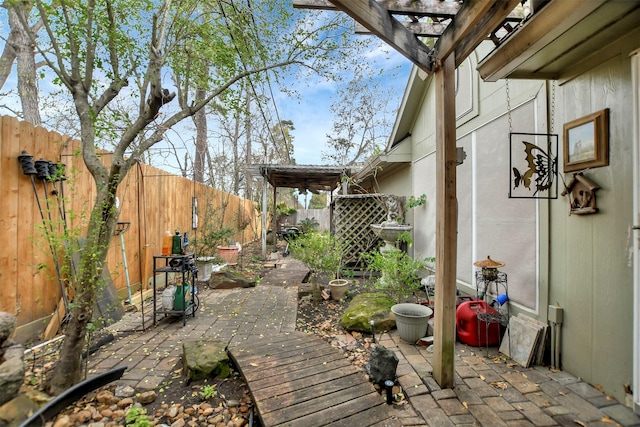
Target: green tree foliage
column 318, row 201
column 143, row 54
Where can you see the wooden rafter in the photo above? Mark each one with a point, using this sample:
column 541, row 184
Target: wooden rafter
column 408, row 25
column 400, row 7
column 472, row 22
column 377, row 20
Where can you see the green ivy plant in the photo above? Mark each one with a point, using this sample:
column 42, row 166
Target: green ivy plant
column 137, row 417
column 413, row 201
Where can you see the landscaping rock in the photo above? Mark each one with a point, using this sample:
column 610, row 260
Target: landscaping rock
column 17, row 410
column 205, row 359
column 13, row 350
column 147, row 397
column 124, row 391
column 7, row 325
column 11, row 378
column 382, row 365
column 231, row 279
column 366, row 307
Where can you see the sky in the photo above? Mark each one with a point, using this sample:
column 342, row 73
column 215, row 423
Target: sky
column 312, row 117
column 310, row 112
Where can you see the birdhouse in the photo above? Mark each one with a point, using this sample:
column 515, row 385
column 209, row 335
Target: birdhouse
column 582, row 195
column 489, row 268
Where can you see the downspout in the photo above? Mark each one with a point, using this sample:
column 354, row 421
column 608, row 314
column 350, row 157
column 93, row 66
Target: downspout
column 635, row 84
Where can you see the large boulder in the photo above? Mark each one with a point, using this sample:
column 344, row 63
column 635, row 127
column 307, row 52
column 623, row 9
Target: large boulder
column 366, row 307
column 204, row 358
column 231, row 279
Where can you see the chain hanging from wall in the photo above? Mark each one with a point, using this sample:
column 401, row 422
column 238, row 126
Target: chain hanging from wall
column 533, row 160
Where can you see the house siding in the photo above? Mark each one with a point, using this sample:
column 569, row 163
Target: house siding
column 581, row 263
column 591, row 268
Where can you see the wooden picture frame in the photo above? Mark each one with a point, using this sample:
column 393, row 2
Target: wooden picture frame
column 586, row 142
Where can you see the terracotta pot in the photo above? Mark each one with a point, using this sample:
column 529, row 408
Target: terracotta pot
column 338, row 288
column 229, row 254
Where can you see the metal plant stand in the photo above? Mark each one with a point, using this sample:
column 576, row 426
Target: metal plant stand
column 184, row 267
column 493, row 290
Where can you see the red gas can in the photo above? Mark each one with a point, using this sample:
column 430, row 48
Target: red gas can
column 472, row 331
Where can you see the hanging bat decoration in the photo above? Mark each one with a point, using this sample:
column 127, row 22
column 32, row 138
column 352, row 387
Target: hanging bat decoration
column 543, row 169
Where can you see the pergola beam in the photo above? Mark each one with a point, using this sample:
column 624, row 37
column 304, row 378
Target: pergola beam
column 473, row 22
column 377, row 20
column 400, row 7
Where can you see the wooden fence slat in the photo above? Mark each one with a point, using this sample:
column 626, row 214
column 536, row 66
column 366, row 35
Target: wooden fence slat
column 151, row 200
column 9, row 195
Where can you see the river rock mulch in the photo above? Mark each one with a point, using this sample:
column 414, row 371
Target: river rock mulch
column 213, row 403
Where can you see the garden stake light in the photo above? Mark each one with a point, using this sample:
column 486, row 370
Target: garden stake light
column 373, row 330
column 388, row 385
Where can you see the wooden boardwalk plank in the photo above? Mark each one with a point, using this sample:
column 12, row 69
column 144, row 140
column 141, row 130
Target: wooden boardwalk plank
column 298, row 379
column 335, row 412
column 267, row 369
column 278, row 387
column 332, row 407
column 316, row 390
column 281, row 356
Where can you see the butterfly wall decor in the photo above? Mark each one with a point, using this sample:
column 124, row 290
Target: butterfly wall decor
column 533, row 165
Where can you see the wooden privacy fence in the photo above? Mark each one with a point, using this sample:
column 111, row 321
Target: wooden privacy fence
column 152, row 201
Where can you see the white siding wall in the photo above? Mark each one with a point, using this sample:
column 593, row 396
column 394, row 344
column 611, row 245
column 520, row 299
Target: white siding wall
column 489, row 223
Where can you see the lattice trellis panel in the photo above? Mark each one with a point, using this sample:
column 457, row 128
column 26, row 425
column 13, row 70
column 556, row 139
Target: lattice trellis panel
column 352, row 217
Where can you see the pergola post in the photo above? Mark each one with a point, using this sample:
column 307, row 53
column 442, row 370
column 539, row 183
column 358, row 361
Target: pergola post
column 446, row 225
column 275, row 219
column 264, row 217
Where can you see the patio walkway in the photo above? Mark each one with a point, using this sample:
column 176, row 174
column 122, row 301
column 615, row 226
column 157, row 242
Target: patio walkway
column 487, row 393
column 299, row 379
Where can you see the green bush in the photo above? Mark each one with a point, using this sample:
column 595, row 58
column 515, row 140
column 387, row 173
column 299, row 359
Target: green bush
column 320, row 252
column 398, row 279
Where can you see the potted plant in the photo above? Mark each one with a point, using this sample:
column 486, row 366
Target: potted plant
column 399, row 280
column 322, row 254
column 211, row 235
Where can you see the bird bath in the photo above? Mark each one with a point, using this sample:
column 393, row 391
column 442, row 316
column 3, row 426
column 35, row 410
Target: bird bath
column 389, row 232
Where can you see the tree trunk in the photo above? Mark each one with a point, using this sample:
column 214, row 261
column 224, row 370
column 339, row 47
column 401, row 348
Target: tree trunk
column 236, row 161
column 248, row 154
column 68, row 370
column 200, row 121
column 27, row 88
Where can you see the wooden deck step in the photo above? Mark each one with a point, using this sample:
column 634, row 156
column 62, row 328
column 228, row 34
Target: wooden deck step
column 298, row 379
